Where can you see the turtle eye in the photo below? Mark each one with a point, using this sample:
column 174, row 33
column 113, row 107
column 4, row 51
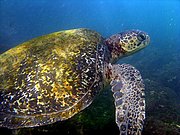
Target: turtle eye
column 141, row 36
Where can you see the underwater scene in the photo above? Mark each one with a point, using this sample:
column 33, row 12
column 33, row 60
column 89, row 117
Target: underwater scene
column 86, row 27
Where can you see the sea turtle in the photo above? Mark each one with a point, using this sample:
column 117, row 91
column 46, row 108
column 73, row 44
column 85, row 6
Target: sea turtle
column 53, row 77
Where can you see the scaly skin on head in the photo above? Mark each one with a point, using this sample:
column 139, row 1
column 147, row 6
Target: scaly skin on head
column 124, row 44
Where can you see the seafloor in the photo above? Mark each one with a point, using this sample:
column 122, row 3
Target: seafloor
column 162, row 116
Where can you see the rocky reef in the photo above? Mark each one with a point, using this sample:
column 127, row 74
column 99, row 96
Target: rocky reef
column 162, row 116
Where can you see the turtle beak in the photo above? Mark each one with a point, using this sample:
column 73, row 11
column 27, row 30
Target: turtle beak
column 147, row 41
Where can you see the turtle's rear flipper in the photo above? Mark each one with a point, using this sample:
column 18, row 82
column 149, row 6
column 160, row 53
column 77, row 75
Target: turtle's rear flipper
column 128, row 89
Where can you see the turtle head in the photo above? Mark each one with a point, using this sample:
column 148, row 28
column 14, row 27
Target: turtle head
column 126, row 43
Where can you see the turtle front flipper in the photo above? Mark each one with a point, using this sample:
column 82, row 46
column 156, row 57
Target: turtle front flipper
column 128, row 88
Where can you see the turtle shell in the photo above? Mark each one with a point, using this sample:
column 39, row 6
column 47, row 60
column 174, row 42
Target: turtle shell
column 50, row 78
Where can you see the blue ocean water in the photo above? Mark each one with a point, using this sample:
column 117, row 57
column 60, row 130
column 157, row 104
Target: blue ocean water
column 21, row 20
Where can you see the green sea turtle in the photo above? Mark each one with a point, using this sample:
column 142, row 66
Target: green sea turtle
column 53, row 77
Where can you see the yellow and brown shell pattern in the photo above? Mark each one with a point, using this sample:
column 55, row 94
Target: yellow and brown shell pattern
column 50, row 78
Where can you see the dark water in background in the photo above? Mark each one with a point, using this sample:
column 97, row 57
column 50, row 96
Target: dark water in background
column 21, row 20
